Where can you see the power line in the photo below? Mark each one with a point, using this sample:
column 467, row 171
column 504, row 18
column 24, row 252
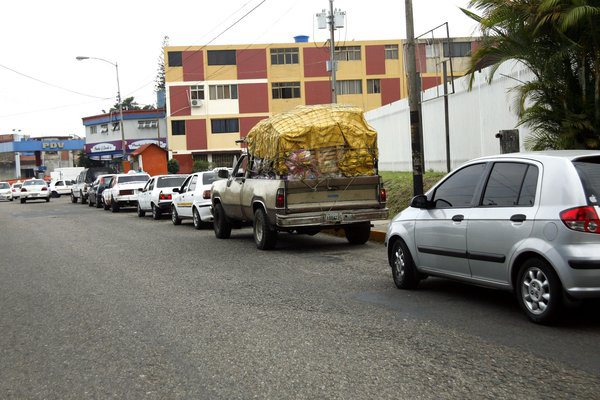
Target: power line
column 50, row 84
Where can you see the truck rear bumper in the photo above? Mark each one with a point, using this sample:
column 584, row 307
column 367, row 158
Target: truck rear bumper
column 329, row 219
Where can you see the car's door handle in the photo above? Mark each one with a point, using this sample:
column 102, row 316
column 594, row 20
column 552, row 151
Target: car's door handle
column 518, row 218
column 458, row 218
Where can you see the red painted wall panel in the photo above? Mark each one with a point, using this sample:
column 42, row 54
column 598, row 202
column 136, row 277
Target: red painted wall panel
column 179, row 100
column 251, row 64
column 430, row 81
column 253, row 97
column 195, row 134
column 390, row 90
column 421, row 58
column 315, row 61
column 375, row 57
column 318, row 92
column 193, row 65
column 186, row 161
column 248, row 123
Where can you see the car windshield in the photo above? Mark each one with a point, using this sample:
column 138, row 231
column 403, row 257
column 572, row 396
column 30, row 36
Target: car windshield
column 589, row 173
column 208, row 178
column 34, row 182
column 4, row 185
column 133, row 178
column 170, row 181
column 17, row 185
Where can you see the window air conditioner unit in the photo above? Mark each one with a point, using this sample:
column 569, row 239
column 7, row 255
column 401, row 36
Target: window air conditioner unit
column 197, row 103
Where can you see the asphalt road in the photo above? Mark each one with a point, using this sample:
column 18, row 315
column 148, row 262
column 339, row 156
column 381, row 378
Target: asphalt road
column 100, row 305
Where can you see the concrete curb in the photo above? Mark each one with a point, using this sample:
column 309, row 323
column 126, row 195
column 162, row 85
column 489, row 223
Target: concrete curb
column 377, row 233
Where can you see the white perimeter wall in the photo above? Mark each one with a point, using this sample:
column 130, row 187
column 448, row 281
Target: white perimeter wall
column 475, row 118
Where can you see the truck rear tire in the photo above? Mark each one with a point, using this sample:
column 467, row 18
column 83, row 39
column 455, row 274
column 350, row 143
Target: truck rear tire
column 358, row 233
column 221, row 225
column 73, row 198
column 264, row 236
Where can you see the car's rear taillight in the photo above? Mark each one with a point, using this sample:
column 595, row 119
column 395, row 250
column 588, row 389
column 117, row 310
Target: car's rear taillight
column 280, row 198
column 206, row 194
column 164, row 196
column 382, row 195
column 582, row 219
column 44, row 188
column 23, row 190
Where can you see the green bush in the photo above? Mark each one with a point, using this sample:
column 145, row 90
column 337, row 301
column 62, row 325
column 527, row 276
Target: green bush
column 201, row 165
column 173, row 166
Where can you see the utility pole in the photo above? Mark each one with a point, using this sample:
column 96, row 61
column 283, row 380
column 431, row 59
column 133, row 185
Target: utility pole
column 333, row 20
column 414, row 89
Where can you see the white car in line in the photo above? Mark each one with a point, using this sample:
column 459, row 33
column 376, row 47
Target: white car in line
column 123, row 191
column 60, row 187
column 5, row 191
column 156, row 196
column 15, row 188
column 34, row 189
column 192, row 199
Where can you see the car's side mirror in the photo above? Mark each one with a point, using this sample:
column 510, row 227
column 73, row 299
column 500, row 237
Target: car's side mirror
column 420, row 201
column 223, row 173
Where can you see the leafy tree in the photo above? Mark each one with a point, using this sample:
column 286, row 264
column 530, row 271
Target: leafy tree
column 86, row 162
column 559, row 41
column 173, row 166
column 201, row 165
column 160, row 72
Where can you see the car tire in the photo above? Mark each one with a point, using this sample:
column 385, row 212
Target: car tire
column 55, row 194
column 22, row 201
column 90, row 204
column 175, row 217
column 141, row 213
column 48, row 199
column 99, row 202
column 196, row 218
column 11, row 199
column 221, row 225
column 105, row 206
column 265, row 237
column 404, row 270
column 358, row 233
column 539, row 291
column 83, row 200
column 155, row 212
column 114, row 206
column 73, row 198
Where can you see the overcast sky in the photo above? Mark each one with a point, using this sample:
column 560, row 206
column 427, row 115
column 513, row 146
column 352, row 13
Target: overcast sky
column 41, row 39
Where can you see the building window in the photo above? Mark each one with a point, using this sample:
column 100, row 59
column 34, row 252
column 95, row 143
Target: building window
column 93, row 129
column 284, row 56
column 347, row 53
column 373, row 86
column 177, row 128
column 175, row 59
column 221, row 57
column 391, row 51
column 457, row 49
column 148, row 124
column 286, row 90
column 226, row 125
column 220, row 92
column 223, row 159
column 348, row 87
column 104, row 128
column 197, row 92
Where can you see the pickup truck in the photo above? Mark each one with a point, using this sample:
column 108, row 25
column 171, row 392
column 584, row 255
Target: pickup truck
column 285, row 198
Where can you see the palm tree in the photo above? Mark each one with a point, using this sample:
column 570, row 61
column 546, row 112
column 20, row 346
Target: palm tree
column 558, row 40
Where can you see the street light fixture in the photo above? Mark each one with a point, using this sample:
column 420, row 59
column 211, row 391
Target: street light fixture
column 123, row 144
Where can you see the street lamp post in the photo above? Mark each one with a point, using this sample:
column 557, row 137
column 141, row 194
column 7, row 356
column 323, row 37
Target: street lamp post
column 121, row 128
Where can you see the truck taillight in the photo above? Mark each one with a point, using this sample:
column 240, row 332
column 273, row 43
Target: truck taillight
column 206, row 194
column 582, row 219
column 382, row 195
column 280, row 198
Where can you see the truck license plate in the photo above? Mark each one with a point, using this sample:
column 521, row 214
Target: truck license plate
column 333, row 217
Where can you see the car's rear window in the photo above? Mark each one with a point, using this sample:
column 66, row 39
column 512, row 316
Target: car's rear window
column 208, row 178
column 170, row 181
column 589, row 173
column 133, row 178
column 17, row 185
column 34, row 182
column 4, row 185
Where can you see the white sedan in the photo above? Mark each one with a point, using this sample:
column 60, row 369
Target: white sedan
column 123, row 191
column 34, row 189
column 60, row 187
column 16, row 189
column 156, row 196
column 193, row 199
column 5, row 191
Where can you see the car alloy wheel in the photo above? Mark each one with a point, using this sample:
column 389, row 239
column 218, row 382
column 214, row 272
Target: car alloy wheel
column 539, row 291
column 535, row 291
column 197, row 220
column 175, row 217
column 155, row 212
column 403, row 268
column 140, row 212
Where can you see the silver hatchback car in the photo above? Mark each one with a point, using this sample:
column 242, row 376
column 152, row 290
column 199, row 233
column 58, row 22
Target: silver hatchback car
column 526, row 222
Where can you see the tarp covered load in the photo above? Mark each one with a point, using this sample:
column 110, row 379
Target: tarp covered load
column 314, row 141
